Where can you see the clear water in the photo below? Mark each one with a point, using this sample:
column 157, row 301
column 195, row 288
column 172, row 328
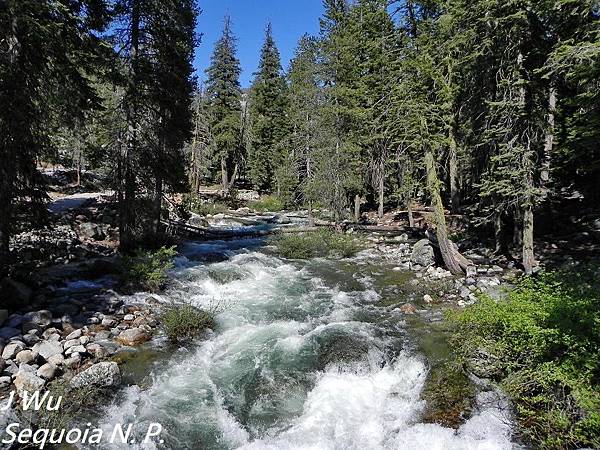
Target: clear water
column 302, row 358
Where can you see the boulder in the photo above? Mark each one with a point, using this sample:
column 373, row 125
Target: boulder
column 97, row 351
column 103, row 374
column 74, row 335
column 422, row 253
column 4, row 383
column 25, row 357
column 92, row 231
column 71, row 343
column 197, row 221
column 133, row 337
column 47, row 349
column 57, row 360
column 42, row 318
column 73, row 361
column 27, row 380
column 11, row 350
column 75, row 349
column 47, row 371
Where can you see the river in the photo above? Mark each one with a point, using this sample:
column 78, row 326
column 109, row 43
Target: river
column 303, row 356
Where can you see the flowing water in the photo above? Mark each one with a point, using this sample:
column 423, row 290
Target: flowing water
column 303, row 357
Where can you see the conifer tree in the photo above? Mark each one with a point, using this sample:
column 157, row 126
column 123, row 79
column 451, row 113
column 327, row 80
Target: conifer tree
column 269, row 127
column 224, row 97
column 46, row 50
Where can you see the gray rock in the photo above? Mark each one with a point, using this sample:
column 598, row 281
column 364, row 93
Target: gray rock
column 71, row 343
column 4, row 383
column 74, row 335
column 103, row 374
column 422, row 253
column 42, row 318
column 47, row 371
column 128, row 317
column 57, row 360
column 11, row 350
column 46, row 349
column 92, row 231
column 197, row 221
column 97, row 351
column 75, row 349
column 2, row 364
column 31, row 339
column 27, row 380
column 73, row 361
column 25, row 357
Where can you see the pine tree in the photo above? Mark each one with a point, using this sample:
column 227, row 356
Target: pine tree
column 224, row 97
column 46, row 50
column 269, row 127
column 172, row 27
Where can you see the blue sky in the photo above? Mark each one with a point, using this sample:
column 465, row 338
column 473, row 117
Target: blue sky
column 290, row 19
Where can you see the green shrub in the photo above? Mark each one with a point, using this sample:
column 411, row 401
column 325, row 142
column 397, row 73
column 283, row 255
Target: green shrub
column 183, row 322
column 267, row 203
column 316, row 244
column 194, row 205
column 544, row 341
column 148, row 269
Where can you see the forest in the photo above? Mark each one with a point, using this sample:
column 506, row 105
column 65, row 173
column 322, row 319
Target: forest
column 474, row 123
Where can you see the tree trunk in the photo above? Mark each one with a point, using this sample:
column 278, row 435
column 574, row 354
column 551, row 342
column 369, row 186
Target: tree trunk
column 446, row 248
column 528, row 255
column 79, row 157
column 381, row 190
column 158, row 192
column 224, row 176
column 233, row 176
column 356, row 208
column 409, row 209
column 311, row 219
column 549, row 142
column 453, row 172
column 499, row 235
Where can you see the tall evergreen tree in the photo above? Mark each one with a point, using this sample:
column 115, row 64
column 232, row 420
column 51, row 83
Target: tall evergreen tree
column 47, row 51
column 224, row 97
column 268, row 100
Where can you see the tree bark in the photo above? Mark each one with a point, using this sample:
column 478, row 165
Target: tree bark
column 499, row 235
column 224, row 176
column 409, row 209
column 453, row 172
column 311, row 218
column 356, row 208
column 381, row 191
column 158, row 192
column 446, row 248
column 528, row 254
column 549, row 141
